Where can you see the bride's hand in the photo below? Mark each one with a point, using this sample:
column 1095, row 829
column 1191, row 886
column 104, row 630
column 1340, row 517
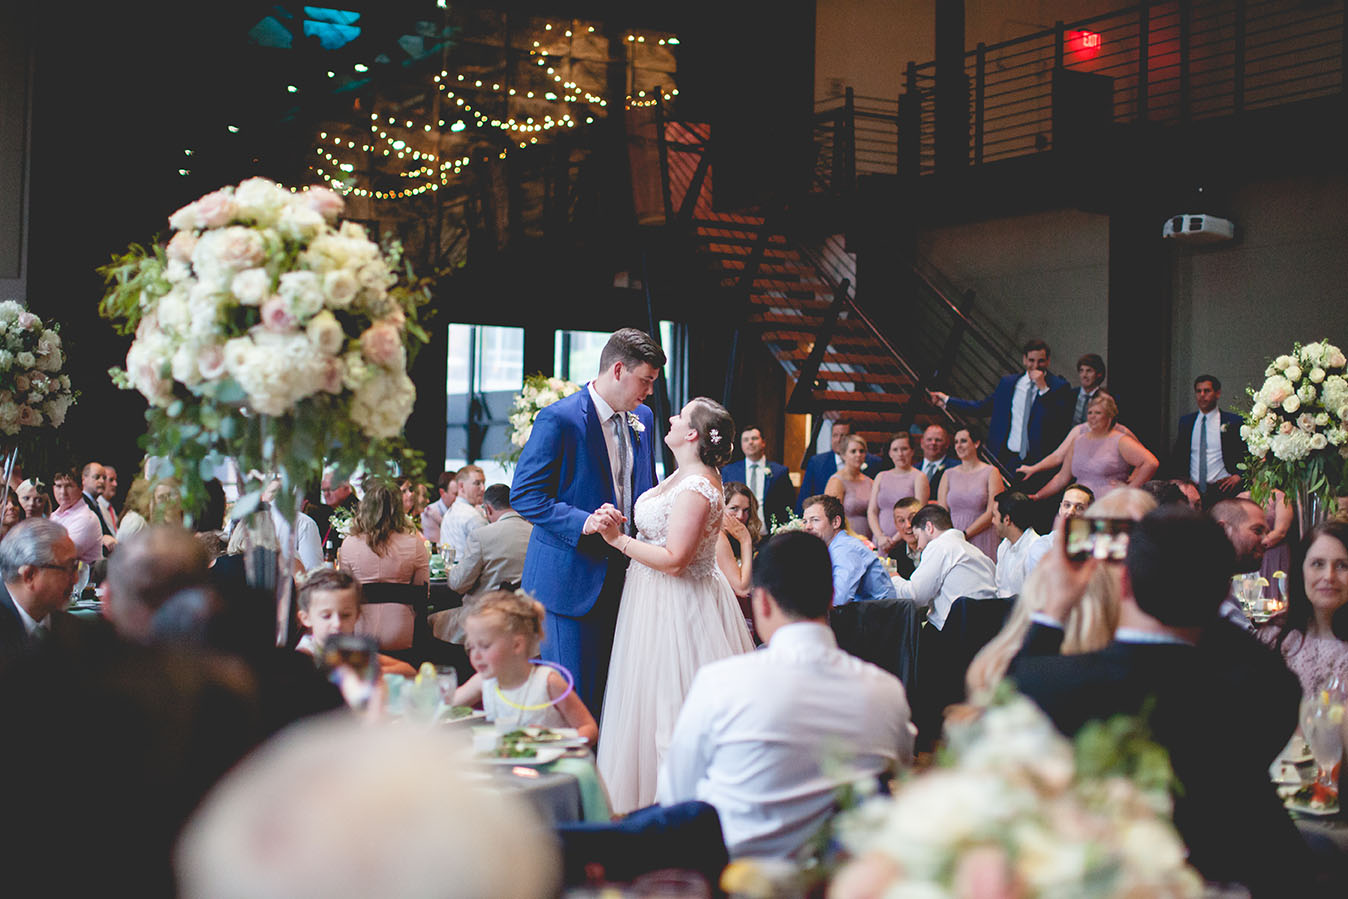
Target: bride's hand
column 734, row 527
column 599, row 519
column 608, row 523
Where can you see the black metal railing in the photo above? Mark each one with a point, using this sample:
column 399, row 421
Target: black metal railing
column 1168, row 62
column 854, row 135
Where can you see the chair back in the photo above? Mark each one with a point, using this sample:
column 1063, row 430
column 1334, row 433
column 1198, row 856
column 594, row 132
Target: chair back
column 883, row 632
column 393, row 614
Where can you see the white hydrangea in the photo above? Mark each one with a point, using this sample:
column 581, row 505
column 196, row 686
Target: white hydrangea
column 1291, row 447
column 381, row 405
column 302, row 292
column 1306, row 393
column 9, row 312
column 261, row 200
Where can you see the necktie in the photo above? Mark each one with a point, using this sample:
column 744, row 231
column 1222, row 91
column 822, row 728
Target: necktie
column 929, row 468
column 1202, row 453
column 755, row 484
column 1079, row 413
column 1025, row 421
column 624, row 469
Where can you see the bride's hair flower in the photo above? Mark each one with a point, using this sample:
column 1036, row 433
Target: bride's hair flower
column 714, row 435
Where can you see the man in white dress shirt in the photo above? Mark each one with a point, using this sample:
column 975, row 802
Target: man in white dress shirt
column 434, row 514
column 1020, row 549
column 466, row 513
column 741, row 742
column 951, row 567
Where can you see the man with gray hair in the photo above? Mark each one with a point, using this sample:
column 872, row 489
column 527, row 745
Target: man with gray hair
column 38, row 565
column 145, row 571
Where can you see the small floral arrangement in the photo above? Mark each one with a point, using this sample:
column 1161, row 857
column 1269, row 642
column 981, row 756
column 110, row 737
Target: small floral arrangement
column 1295, row 429
column 268, row 332
column 538, row 392
column 341, row 520
column 33, row 391
column 1018, row 810
column 792, row 522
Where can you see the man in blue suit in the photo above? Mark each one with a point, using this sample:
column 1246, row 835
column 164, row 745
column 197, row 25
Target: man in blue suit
column 1027, row 421
column 770, row 482
column 823, row 466
column 1208, row 446
column 594, row 447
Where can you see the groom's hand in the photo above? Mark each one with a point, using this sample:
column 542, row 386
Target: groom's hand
column 601, row 519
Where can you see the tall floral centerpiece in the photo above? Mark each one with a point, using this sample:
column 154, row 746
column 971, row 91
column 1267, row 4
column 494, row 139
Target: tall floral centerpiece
column 34, row 393
column 269, row 334
column 539, row 391
column 1296, row 432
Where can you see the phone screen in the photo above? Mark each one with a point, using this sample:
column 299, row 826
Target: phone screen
column 1100, row 538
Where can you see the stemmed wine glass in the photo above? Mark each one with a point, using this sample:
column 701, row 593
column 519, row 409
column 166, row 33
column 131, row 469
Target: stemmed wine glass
column 1322, row 725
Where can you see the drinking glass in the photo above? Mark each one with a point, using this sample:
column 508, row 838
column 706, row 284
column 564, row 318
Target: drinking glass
column 448, row 679
column 1321, row 725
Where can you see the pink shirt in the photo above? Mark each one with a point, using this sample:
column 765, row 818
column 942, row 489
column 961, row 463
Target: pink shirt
column 82, row 525
column 405, row 560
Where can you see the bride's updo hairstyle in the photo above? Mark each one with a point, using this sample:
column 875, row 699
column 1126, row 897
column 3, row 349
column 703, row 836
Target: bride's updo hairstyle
column 715, row 431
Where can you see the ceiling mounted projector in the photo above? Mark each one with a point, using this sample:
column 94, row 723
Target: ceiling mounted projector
column 1197, row 228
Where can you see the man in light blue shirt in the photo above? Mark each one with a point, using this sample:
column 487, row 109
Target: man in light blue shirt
column 858, row 573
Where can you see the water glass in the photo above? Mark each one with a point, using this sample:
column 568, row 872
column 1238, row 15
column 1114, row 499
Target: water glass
column 1322, row 717
column 448, row 679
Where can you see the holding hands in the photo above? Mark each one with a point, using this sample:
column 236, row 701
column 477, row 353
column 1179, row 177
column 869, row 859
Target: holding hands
column 606, row 521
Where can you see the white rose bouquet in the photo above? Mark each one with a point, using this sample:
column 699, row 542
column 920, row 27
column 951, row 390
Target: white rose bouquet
column 1018, row 810
column 1295, row 429
column 538, row 392
column 34, row 393
column 268, row 332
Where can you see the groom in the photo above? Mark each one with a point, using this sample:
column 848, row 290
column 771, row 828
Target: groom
column 584, row 451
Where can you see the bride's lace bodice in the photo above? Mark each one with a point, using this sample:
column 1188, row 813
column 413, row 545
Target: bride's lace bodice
column 654, row 508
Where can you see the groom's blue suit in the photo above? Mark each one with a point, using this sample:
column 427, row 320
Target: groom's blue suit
column 563, row 475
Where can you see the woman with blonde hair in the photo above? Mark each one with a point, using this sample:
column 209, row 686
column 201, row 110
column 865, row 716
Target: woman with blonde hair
column 1091, row 624
column 851, row 487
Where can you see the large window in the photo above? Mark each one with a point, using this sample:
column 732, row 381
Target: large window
column 486, row 370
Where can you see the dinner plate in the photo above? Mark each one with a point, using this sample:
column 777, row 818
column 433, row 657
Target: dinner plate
column 545, row 755
column 1302, row 808
column 477, row 717
column 565, row 737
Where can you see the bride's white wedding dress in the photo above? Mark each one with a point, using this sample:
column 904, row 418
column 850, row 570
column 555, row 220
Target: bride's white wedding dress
column 668, row 627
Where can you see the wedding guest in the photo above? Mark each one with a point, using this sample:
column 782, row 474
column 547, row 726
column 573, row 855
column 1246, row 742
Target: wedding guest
column 334, row 493
column 38, row 565
column 166, row 502
column 858, row 574
column 363, row 811
column 951, row 567
column 380, row 549
column 1016, row 553
column 739, row 743
column 852, row 488
column 905, row 552
column 433, row 515
column 76, row 517
column 1208, row 447
column 464, row 515
column 1244, row 524
column 903, row 480
column 823, row 466
column 1317, row 588
column 1277, row 549
column 969, row 492
column 1190, row 491
column 93, row 478
column 494, row 560
column 1090, row 377
column 1075, row 500
column 741, row 532
column 144, row 573
column 105, row 499
column 35, row 502
column 329, row 604
column 136, row 509
column 936, row 455
column 1090, row 624
column 769, row 482
column 505, row 630
column 308, row 549
column 1102, row 457
column 13, row 513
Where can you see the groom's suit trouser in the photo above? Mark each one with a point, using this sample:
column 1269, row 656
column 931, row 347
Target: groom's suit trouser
column 590, row 638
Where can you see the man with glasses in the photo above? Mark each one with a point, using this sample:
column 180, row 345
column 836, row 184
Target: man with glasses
column 38, row 565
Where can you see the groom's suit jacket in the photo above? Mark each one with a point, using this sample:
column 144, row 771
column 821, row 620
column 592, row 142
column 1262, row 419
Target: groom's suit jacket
column 562, row 476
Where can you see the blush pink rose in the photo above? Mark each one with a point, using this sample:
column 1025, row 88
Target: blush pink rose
column 381, row 343
column 239, row 248
column 984, row 872
column 29, row 417
column 181, row 246
column 215, row 209
column 277, row 317
column 28, row 321
column 327, row 203
column 331, row 380
column 211, row 361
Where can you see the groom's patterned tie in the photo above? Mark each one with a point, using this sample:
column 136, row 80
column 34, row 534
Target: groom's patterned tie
column 624, row 470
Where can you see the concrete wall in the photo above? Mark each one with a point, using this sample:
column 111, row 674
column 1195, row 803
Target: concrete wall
column 1044, row 275
column 1284, row 279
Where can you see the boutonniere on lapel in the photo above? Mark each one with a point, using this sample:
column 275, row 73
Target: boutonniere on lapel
column 1225, row 425
column 637, row 428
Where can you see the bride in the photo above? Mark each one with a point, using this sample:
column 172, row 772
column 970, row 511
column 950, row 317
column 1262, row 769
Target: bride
column 677, row 611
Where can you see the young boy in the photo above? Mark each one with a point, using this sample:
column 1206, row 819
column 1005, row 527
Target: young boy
column 329, row 604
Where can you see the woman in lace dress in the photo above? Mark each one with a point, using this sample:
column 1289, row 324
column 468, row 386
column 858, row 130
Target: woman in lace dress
column 1317, row 589
column 677, row 611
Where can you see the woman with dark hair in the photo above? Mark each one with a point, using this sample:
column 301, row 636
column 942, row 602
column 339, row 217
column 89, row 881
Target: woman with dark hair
column 899, row 482
column 969, row 490
column 380, row 548
column 13, row 511
column 677, row 611
column 739, row 537
column 1317, row 589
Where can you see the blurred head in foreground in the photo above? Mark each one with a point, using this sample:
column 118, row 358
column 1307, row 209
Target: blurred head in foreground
column 331, row 809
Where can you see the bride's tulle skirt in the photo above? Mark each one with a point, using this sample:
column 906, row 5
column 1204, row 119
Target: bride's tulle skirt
column 668, row 627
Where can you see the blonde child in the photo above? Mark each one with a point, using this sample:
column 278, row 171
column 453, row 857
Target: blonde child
column 329, row 604
column 503, row 633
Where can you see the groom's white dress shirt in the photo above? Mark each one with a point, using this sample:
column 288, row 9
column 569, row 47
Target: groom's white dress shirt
column 605, row 413
column 759, row 735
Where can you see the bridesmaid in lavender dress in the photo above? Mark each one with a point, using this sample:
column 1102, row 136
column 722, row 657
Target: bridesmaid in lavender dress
column 851, row 487
column 1102, row 457
column 900, row 482
column 969, row 490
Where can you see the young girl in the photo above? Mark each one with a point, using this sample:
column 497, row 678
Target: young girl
column 329, row 604
column 503, row 634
